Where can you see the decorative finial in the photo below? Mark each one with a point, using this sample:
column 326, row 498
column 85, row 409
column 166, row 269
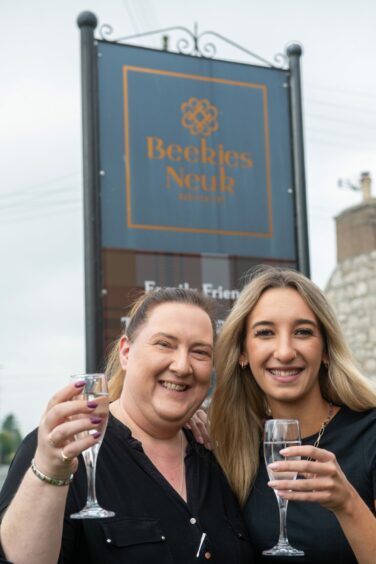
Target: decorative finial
column 87, row 19
column 294, row 49
column 165, row 40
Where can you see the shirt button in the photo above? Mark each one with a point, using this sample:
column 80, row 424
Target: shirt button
column 108, row 540
column 207, row 555
column 163, row 538
column 192, row 521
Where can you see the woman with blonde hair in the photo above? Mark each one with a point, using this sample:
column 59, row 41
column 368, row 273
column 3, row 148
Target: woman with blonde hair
column 281, row 354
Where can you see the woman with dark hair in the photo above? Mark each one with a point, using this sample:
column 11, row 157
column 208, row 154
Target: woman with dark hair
column 171, row 500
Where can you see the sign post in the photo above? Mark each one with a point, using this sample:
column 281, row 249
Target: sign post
column 294, row 52
column 87, row 22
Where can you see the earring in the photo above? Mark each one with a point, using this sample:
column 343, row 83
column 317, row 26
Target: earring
column 243, row 364
column 326, row 364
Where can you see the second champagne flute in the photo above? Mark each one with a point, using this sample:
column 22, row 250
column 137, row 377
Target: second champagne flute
column 95, row 390
column 279, row 434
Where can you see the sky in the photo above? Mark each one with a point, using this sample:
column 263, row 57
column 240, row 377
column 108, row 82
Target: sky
column 42, row 338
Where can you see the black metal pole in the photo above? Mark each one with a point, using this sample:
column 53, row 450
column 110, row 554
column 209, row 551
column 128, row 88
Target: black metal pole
column 87, row 22
column 294, row 52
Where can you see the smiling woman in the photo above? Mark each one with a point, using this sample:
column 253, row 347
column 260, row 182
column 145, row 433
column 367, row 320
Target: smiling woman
column 168, row 366
column 171, row 500
column 281, row 355
column 284, row 349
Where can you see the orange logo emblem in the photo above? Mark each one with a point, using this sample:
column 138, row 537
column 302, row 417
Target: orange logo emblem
column 199, row 116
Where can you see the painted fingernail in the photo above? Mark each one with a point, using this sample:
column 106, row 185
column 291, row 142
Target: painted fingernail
column 96, row 419
column 273, row 465
column 96, row 435
column 92, row 404
column 79, row 384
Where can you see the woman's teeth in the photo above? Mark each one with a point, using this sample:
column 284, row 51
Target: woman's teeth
column 175, row 387
column 278, row 372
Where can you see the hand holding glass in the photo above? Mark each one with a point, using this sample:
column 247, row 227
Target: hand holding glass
column 279, row 434
column 95, row 390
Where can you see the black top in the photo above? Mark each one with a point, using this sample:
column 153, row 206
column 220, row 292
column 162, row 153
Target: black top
column 153, row 524
column 351, row 436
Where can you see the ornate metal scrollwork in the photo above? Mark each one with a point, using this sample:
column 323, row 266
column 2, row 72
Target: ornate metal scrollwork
column 184, row 46
column 281, row 60
column 105, row 30
column 193, row 43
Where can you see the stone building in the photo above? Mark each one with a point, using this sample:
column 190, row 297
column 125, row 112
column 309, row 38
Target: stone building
column 352, row 287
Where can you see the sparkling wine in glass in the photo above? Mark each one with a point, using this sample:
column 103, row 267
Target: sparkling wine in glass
column 95, row 389
column 279, row 434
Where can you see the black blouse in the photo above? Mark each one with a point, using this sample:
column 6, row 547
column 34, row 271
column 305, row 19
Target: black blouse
column 153, row 524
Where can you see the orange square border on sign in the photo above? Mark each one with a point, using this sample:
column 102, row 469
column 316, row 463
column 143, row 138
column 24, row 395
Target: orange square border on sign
column 262, row 87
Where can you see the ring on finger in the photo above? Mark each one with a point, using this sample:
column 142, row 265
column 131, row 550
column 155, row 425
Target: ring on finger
column 50, row 440
column 65, row 457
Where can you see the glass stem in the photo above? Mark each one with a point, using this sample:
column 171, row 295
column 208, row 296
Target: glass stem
column 91, row 463
column 282, row 505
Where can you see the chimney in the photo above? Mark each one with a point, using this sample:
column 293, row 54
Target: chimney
column 356, row 226
column 365, row 185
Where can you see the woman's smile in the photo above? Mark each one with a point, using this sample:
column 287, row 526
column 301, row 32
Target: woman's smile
column 285, row 375
column 174, row 386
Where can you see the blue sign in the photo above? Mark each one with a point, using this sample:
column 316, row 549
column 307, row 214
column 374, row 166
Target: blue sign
column 195, row 155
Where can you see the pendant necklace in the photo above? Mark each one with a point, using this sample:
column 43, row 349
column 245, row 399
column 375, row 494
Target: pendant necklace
column 323, row 426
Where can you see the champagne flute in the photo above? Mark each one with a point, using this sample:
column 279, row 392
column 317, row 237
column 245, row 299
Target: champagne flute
column 279, row 434
column 95, row 389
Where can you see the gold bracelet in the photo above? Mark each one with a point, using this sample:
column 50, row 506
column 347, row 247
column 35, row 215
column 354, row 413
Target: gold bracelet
column 47, row 479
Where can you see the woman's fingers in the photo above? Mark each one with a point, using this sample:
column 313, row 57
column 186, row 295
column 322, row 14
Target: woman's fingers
column 303, row 467
column 324, row 463
column 315, row 483
column 324, row 490
column 308, row 451
column 325, row 482
column 76, row 447
column 198, row 424
column 63, row 421
column 65, row 394
column 318, row 490
column 66, row 432
column 202, row 423
column 60, row 412
column 318, row 496
column 62, row 460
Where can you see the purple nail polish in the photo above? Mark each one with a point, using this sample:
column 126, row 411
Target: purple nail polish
column 79, row 384
column 95, row 419
column 96, row 435
column 92, row 404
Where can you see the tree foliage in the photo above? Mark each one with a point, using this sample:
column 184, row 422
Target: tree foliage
column 10, row 438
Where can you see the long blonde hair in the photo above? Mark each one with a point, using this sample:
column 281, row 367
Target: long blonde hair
column 138, row 316
column 239, row 408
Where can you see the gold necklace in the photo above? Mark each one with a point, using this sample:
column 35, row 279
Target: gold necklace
column 323, row 427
